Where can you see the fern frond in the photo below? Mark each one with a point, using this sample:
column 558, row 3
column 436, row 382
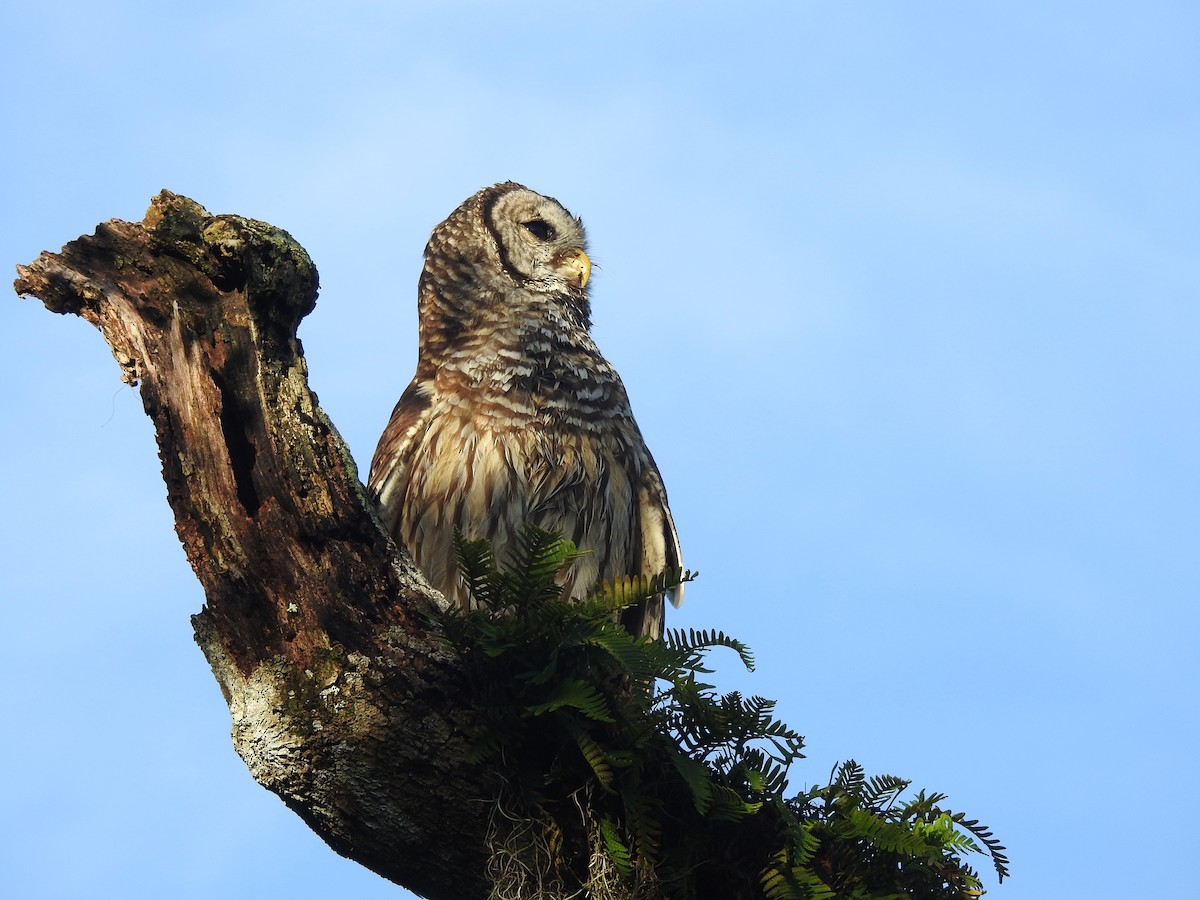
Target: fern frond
column 535, row 558
column 883, row 790
column 641, row 817
column 850, row 779
column 779, row 881
column 729, row 806
column 891, row 836
column 774, row 880
column 692, row 640
column 697, row 778
column 630, row 590
column 477, row 565
column 994, row 848
column 635, row 656
column 592, row 753
column 617, row 850
column 578, row 695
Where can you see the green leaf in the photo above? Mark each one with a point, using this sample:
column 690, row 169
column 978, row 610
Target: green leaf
column 696, row 776
column 578, row 695
column 618, row 851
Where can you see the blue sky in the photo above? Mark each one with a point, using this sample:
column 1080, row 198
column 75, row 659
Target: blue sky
column 907, row 300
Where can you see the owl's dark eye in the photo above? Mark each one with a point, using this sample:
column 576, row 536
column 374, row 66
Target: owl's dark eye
column 543, row 231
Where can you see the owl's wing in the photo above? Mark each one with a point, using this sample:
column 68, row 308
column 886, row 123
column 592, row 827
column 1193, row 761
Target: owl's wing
column 390, row 465
column 659, row 551
column 660, row 541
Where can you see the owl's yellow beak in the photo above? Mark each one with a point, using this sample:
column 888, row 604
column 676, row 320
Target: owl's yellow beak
column 576, row 264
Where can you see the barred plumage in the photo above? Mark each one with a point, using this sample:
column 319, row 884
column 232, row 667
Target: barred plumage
column 513, row 415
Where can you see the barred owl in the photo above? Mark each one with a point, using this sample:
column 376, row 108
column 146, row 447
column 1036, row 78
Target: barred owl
column 513, row 415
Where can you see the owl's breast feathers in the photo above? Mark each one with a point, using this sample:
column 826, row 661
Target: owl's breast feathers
column 493, row 440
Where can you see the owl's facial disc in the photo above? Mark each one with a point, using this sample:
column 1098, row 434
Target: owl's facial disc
column 540, row 244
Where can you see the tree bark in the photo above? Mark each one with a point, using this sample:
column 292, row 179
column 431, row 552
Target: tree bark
column 344, row 703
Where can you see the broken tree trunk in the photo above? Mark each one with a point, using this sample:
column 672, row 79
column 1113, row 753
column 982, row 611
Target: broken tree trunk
column 343, row 702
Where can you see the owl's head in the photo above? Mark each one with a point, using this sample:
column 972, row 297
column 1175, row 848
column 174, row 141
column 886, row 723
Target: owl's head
column 507, row 242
